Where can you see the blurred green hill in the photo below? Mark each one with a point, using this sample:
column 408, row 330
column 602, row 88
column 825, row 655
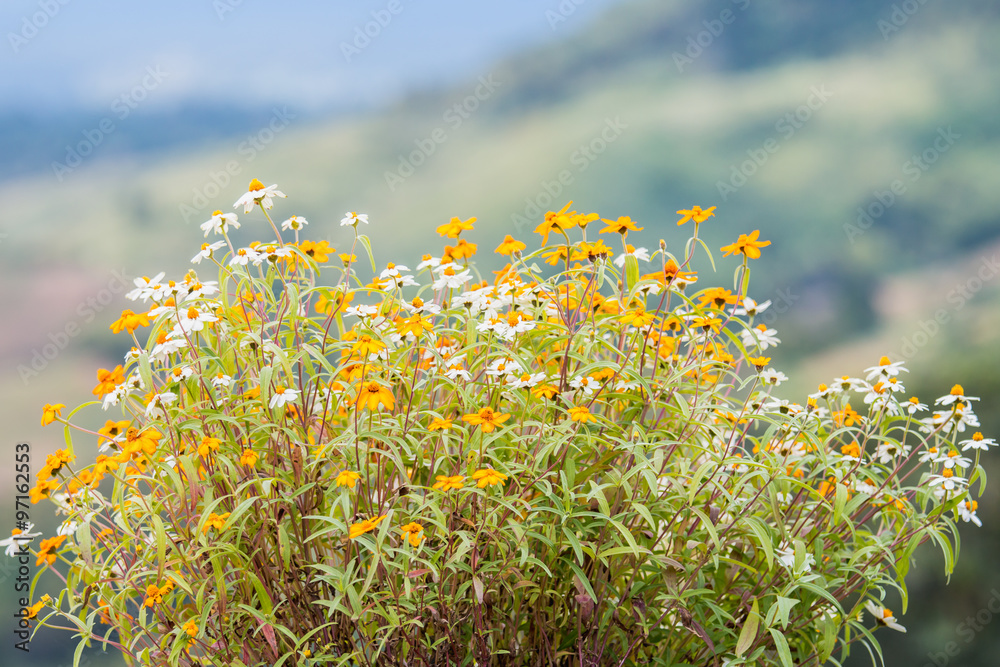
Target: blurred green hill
column 861, row 139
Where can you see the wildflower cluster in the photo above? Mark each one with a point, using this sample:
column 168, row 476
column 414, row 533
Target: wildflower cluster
column 582, row 464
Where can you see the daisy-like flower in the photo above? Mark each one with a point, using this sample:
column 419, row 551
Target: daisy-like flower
column 486, row 419
column 977, row 441
column 451, row 278
column 503, row 368
column 581, row 414
column 12, row 545
column 445, row 483
column 129, row 321
column 509, row 246
column 967, row 511
column 282, row 396
column 347, row 478
column 885, row 368
column 192, row 319
column 747, row 245
column 957, row 394
column 695, row 213
column 883, row 617
column 771, row 376
column 413, row 532
column 641, row 254
column 750, row 308
column 586, row 384
column 438, row 424
column 107, row 381
column 759, row 336
column 50, row 412
column 787, row 557
column 914, row 405
column 454, row 227
column 207, row 250
column 372, row 394
column 953, row 459
column 221, row 380
column 221, row 222
column 886, row 452
column 144, row 287
column 217, row 521
column 488, row 477
column 191, row 628
column 243, row 256
column 296, row 222
column 622, row 225
column 249, row 458
column 47, row 550
column 351, row 219
column 257, row 193
column 154, row 593
column 525, row 380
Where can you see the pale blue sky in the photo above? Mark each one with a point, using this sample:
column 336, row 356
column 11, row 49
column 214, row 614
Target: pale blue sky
column 91, row 51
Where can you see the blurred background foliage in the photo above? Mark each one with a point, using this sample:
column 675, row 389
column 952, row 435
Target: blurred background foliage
column 685, row 94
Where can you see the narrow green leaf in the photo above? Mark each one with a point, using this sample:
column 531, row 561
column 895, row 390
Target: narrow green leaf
column 749, row 631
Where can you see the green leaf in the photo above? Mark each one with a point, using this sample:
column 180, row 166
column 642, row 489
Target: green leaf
column 366, row 242
column 749, row 631
column 781, row 644
column 631, row 271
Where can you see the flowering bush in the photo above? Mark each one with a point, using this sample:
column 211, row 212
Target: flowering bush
column 575, row 465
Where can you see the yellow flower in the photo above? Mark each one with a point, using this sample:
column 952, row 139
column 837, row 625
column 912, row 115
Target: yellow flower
column 638, row 317
column 759, row 362
column 217, row 521
column 42, row 490
column 154, row 593
column 487, row 419
column 372, row 394
column 562, row 220
column 130, row 321
column 415, row 325
column 366, row 345
column 108, row 380
column 696, row 213
column 509, row 246
column 455, row 227
column 35, row 608
column 544, row 391
column 47, row 550
column 362, row 527
column 50, row 412
column 414, row 532
column 748, row 245
column 347, row 478
column 318, row 251
column 207, row 446
column 581, row 414
column 439, row 424
column 191, row 628
column 622, row 225
column 488, row 477
column 446, row 483
column 249, row 458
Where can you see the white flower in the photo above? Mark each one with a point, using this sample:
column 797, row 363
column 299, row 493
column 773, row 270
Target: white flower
column 641, row 254
column 12, row 545
column 977, row 441
column 144, row 287
column 771, row 376
column 207, row 249
column 883, row 616
column 296, row 222
column 67, row 527
column 966, row 510
column 913, row 405
column 282, row 396
column 525, row 380
column 222, row 380
column 455, row 370
column 887, row 451
column 787, row 557
column 158, row 403
column 759, row 335
column 170, row 344
column 221, row 222
column 450, row 278
column 418, row 305
column 502, row 368
column 428, row 261
column 351, row 219
column 586, row 384
column 198, row 290
column 957, row 394
column 193, row 319
column 885, row 368
column 181, row 373
column 244, row 255
column 258, row 194
column 751, row 307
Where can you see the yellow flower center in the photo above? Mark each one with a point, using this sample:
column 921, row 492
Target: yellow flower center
column 255, row 185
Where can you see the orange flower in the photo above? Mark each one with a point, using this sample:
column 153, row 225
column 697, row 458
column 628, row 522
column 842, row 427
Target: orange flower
column 320, row 251
column 414, row 532
column 487, row 419
column 509, row 246
column 112, row 429
column 445, row 483
column 622, row 225
column 488, row 477
column 47, row 550
column 455, row 227
column 439, row 424
column 130, row 321
column 42, row 490
column 372, row 394
column 696, row 213
column 154, row 593
column 108, row 380
column 581, row 414
column 748, row 245
column 217, row 521
column 362, row 527
column 347, row 478
column 249, row 458
column 50, row 412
